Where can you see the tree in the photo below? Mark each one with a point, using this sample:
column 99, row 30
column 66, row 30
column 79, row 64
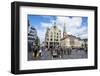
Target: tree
column 82, row 45
column 37, row 42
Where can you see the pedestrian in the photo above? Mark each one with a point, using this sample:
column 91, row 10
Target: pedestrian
column 40, row 52
column 35, row 51
column 68, row 51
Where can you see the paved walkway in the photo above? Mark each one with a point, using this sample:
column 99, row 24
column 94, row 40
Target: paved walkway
column 46, row 55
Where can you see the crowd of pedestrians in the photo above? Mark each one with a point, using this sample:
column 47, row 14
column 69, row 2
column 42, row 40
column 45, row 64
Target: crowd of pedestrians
column 54, row 52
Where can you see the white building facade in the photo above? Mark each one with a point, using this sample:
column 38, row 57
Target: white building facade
column 53, row 37
column 71, row 41
column 32, row 37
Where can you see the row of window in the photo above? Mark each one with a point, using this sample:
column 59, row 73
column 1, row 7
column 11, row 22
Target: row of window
column 31, row 34
column 32, row 37
column 29, row 38
column 55, row 36
column 32, row 31
column 52, row 39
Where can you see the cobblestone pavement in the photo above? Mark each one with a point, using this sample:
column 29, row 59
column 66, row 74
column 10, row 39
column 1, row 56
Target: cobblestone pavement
column 46, row 55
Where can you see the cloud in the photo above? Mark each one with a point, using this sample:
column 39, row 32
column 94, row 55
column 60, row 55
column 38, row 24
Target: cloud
column 81, row 32
column 61, row 20
column 41, row 35
column 45, row 25
column 73, row 26
column 84, row 35
column 41, row 31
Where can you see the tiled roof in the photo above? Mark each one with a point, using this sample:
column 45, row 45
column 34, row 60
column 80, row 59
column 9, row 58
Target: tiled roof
column 71, row 36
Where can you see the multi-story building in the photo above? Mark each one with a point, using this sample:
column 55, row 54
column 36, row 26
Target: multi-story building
column 53, row 36
column 32, row 37
column 71, row 41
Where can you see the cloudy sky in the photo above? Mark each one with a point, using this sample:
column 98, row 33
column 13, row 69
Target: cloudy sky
column 75, row 25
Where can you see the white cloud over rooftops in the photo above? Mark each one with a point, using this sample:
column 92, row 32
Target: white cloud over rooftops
column 73, row 26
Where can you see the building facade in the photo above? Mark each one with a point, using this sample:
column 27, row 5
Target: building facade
column 70, row 41
column 53, row 36
column 32, row 34
column 32, row 37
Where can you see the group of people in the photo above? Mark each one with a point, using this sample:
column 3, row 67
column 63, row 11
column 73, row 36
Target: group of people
column 60, row 51
column 35, row 51
column 57, row 51
column 54, row 51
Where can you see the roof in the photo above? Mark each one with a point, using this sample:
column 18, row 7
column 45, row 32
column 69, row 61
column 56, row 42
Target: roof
column 33, row 28
column 71, row 36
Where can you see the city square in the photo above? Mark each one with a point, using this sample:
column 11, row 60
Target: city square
column 46, row 55
column 56, row 43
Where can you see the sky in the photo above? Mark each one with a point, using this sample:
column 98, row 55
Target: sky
column 75, row 25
